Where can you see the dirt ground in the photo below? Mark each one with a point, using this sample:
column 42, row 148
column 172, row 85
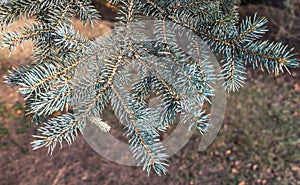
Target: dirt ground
column 258, row 142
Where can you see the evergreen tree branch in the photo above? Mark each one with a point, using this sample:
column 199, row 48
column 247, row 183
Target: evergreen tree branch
column 220, row 45
column 144, row 142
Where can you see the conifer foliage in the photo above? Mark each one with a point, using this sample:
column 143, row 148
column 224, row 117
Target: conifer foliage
column 62, row 101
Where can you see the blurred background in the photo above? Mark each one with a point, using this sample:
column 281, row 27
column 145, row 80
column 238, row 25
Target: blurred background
column 257, row 144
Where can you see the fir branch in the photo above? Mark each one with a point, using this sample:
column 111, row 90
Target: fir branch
column 273, row 56
column 33, row 32
column 66, row 127
column 144, row 142
column 13, row 11
column 85, row 11
column 71, row 73
column 233, row 72
column 200, row 120
column 225, row 46
column 57, row 129
column 57, row 15
column 251, row 30
column 46, row 103
column 202, row 60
